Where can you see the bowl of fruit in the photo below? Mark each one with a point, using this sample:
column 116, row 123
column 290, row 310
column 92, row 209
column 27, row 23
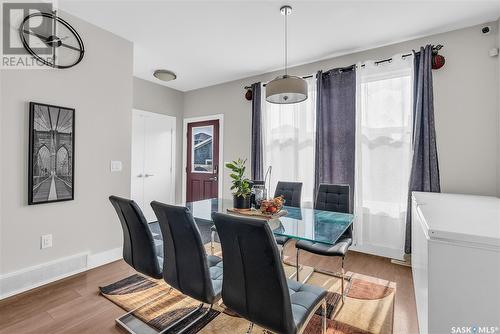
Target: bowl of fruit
column 272, row 206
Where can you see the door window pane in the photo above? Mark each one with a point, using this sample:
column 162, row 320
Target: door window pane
column 202, row 149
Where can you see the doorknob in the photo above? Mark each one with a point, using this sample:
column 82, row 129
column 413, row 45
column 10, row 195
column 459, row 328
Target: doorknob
column 148, row 175
column 140, row 175
column 214, row 178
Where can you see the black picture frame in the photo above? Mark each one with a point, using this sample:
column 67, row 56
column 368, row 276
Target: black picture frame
column 51, row 157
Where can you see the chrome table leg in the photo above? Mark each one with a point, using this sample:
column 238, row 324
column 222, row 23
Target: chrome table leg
column 342, row 280
column 297, row 266
column 323, row 320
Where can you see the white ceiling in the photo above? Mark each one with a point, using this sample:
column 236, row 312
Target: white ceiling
column 210, row 42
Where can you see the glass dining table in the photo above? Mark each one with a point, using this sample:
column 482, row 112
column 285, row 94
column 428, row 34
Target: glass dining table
column 299, row 223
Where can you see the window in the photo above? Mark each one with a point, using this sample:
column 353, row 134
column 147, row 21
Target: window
column 383, row 156
column 288, row 133
column 202, row 149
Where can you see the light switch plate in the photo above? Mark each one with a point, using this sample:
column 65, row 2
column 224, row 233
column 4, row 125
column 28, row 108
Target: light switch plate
column 116, row 166
column 46, row 241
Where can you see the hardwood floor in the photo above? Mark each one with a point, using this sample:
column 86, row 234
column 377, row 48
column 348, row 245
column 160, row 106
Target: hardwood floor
column 73, row 305
column 405, row 312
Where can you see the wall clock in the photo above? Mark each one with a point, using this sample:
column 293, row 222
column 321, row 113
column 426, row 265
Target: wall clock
column 51, row 40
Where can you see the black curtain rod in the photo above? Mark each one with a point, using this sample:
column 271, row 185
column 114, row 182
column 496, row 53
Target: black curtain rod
column 437, row 48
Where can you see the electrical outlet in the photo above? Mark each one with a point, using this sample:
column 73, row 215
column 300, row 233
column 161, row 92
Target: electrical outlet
column 46, row 241
column 116, row 166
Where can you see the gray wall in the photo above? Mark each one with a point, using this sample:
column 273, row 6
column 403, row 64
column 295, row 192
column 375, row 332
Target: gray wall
column 103, row 92
column 498, row 95
column 225, row 99
column 466, row 107
column 152, row 97
column 100, row 89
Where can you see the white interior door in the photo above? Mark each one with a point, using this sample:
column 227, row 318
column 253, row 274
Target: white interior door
column 137, row 162
column 153, row 159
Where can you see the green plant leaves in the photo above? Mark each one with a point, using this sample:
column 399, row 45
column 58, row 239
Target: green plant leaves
column 230, row 166
column 240, row 184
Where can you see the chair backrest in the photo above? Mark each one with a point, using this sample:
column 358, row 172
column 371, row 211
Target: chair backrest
column 139, row 249
column 254, row 284
column 185, row 268
column 334, row 197
column 291, row 191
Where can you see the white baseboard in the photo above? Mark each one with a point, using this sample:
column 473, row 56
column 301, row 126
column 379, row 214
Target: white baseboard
column 32, row 277
column 102, row 258
column 379, row 251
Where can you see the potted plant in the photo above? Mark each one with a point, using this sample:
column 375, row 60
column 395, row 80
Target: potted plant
column 240, row 184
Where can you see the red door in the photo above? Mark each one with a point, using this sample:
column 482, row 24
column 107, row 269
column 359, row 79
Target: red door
column 202, row 160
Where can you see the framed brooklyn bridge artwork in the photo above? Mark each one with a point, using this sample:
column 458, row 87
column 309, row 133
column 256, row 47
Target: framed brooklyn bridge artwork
column 51, row 153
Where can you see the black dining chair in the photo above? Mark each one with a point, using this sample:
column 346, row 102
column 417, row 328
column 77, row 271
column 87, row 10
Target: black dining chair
column 330, row 197
column 188, row 268
column 213, row 230
column 140, row 250
column 255, row 286
column 292, row 193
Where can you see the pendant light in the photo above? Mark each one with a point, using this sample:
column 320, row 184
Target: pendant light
column 286, row 89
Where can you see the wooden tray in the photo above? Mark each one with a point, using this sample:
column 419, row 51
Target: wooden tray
column 257, row 213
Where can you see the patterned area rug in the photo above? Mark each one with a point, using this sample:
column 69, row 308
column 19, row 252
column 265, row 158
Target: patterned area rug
column 368, row 307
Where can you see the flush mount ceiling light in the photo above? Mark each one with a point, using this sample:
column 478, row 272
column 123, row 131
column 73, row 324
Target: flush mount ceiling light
column 165, row 75
column 286, row 89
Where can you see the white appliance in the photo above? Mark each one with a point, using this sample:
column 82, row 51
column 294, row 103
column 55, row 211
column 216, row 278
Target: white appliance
column 153, row 160
column 456, row 262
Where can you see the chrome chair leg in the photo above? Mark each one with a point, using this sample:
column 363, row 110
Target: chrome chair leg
column 195, row 321
column 120, row 321
column 282, row 250
column 167, row 330
column 297, row 266
column 323, row 319
column 322, row 306
column 342, row 280
column 250, row 327
column 212, row 237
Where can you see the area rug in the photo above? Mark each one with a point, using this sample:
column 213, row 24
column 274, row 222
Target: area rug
column 368, row 306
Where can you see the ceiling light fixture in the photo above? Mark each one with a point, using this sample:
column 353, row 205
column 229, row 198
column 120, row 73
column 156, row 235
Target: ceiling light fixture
column 286, row 89
column 165, row 75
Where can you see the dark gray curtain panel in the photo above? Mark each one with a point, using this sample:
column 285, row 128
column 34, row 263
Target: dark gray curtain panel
column 257, row 158
column 425, row 168
column 335, row 127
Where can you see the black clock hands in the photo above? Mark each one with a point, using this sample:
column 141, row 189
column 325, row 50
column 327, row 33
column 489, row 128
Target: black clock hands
column 51, row 40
